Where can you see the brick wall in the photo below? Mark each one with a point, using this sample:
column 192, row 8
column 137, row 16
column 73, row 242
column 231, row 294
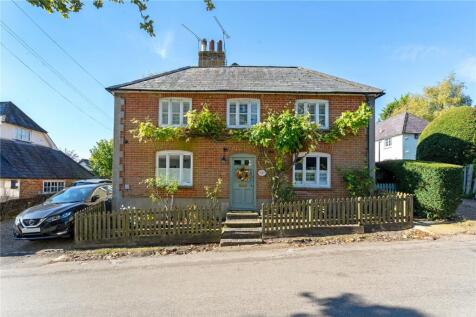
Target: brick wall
column 33, row 187
column 138, row 159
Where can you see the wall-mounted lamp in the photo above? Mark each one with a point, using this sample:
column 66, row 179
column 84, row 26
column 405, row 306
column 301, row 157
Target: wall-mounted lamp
column 223, row 158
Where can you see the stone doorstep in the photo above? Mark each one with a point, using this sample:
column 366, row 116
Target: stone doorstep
column 232, row 242
column 241, row 228
column 243, row 223
column 241, row 233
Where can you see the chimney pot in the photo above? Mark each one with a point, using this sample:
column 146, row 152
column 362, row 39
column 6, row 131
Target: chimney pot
column 203, row 45
column 219, row 46
column 212, row 46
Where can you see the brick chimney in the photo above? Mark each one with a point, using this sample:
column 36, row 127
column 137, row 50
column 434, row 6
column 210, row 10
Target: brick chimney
column 209, row 57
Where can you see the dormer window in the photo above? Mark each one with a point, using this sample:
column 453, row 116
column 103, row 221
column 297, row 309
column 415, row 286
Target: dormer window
column 172, row 111
column 242, row 113
column 23, row 134
column 318, row 111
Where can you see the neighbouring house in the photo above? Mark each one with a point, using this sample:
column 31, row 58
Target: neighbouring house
column 243, row 96
column 85, row 164
column 30, row 162
column 397, row 137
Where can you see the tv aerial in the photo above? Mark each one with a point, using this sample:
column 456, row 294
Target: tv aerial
column 225, row 35
column 193, row 33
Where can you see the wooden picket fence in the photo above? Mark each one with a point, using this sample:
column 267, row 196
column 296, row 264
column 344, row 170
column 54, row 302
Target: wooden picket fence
column 314, row 213
column 98, row 226
column 387, row 187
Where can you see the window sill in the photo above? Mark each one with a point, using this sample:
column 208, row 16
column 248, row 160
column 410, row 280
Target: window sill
column 311, row 188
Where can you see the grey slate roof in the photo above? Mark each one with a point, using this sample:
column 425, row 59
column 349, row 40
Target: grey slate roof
column 246, row 79
column 10, row 113
column 399, row 124
column 25, row 160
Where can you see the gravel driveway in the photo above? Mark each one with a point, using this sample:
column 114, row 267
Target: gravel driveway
column 11, row 247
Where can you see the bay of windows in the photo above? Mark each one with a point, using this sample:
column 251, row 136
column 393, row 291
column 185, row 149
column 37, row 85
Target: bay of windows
column 318, row 111
column 172, row 111
column 313, row 171
column 175, row 166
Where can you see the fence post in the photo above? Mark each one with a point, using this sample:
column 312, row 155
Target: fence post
column 359, row 211
column 262, row 219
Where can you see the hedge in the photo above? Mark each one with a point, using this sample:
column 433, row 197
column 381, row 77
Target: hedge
column 437, row 187
column 450, row 138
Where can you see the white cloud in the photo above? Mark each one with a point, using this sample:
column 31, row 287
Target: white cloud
column 164, row 43
column 467, row 69
column 415, row 52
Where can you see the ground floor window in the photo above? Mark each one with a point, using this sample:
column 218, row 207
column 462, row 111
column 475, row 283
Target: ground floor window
column 313, row 171
column 175, row 166
column 52, row 186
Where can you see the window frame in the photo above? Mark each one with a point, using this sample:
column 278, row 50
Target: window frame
column 305, row 184
column 16, row 182
column 57, row 185
column 169, row 115
column 237, row 101
column 20, row 133
column 317, row 102
column 388, row 144
column 168, row 153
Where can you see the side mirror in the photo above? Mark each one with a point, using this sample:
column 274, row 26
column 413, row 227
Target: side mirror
column 94, row 198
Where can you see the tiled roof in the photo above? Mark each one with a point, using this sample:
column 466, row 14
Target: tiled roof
column 10, row 113
column 399, row 124
column 246, row 79
column 25, row 160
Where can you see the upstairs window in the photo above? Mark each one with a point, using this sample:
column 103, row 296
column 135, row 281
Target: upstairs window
column 318, row 111
column 23, row 134
column 242, row 113
column 388, row 142
column 313, row 171
column 172, row 111
column 52, row 186
column 175, row 166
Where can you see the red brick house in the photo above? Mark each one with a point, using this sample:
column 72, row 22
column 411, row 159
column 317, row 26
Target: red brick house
column 30, row 162
column 242, row 95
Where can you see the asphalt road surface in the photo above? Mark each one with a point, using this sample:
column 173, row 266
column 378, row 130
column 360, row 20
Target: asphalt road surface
column 410, row 279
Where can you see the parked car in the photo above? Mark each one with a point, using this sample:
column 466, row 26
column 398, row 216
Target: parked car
column 92, row 181
column 55, row 217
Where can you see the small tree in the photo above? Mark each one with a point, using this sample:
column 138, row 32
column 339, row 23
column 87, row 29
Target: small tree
column 101, row 158
column 213, row 192
column 358, row 181
column 161, row 191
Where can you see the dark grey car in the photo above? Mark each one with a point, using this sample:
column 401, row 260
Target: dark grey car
column 55, row 217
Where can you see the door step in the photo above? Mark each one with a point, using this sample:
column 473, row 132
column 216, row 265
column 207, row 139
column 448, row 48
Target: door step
column 241, row 228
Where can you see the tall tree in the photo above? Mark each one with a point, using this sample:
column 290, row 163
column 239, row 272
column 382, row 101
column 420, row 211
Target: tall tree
column 65, row 7
column 101, row 158
column 446, row 94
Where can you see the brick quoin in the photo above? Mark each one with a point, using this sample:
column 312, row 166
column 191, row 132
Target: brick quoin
column 139, row 163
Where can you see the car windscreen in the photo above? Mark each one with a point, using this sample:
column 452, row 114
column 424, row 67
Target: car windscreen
column 72, row 194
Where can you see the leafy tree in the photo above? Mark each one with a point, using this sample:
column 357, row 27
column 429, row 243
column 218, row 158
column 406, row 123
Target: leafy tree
column 72, row 154
column 65, row 7
column 101, row 158
column 446, row 94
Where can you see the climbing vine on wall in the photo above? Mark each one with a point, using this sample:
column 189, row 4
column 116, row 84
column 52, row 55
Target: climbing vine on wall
column 280, row 138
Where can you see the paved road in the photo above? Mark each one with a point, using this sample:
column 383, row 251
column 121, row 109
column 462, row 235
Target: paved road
column 412, row 279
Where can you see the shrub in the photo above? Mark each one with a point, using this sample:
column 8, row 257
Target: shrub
column 358, row 181
column 437, row 186
column 450, row 138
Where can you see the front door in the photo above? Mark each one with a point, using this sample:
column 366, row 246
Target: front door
column 242, row 182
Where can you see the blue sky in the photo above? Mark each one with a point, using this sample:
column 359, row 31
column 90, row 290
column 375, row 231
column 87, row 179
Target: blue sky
column 397, row 46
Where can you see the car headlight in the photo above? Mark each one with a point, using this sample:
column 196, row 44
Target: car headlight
column 63, row 216
column 17, row 220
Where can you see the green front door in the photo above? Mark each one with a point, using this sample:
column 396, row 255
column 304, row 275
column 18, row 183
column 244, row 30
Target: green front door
column 242, row 176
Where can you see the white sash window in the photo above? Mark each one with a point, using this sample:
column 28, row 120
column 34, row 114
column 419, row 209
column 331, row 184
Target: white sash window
column 313, row 171
column 318, row 111
column 175, row 166
column 172, row 111
column 242, row 113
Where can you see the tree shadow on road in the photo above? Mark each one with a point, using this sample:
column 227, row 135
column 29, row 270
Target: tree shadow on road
column 353, row 305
